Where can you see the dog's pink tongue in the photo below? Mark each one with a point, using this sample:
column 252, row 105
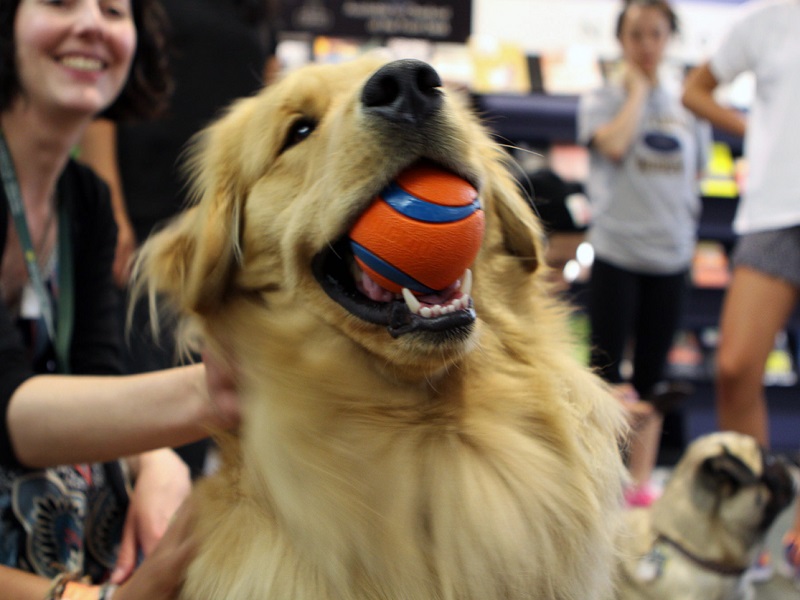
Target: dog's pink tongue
column 441, row 297
column 370, row 288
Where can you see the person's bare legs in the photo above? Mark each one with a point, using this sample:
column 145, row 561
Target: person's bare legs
column 644, row 444
column 755, row 309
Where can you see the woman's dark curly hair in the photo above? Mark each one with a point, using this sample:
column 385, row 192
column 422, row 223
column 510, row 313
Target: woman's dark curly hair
column 149, row 85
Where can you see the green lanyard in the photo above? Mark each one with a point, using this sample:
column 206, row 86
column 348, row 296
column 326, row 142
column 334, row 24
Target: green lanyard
column 61, row 336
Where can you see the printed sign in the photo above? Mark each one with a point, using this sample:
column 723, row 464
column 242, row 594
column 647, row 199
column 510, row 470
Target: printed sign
column 435, row 20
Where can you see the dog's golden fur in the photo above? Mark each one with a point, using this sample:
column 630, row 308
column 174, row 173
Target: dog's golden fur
column 481, row 466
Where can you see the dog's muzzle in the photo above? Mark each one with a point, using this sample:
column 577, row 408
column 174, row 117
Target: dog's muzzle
column 333, row 269
column 405, row 94
column 781, row 485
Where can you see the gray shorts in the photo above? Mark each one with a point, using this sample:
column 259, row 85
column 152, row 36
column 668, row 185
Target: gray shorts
column 775, row 253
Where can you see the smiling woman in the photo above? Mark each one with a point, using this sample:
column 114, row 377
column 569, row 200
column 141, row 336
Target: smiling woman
column 62, row 63
column 80, row 51
column 145, row 91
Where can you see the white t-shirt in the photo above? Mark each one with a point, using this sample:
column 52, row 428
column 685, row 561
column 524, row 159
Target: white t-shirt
column 766, row 41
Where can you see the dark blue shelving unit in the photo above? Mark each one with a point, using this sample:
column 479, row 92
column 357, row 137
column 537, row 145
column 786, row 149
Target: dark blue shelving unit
column 544, row 119
column 537, row 119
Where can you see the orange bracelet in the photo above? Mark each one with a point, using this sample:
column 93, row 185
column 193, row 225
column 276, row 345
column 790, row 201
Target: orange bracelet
column 80, row 591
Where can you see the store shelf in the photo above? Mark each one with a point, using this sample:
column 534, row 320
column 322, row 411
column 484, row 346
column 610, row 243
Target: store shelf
column 716, row 220
column 545, row 119
column 704, row 306
column 537, row 119
column 699, row 415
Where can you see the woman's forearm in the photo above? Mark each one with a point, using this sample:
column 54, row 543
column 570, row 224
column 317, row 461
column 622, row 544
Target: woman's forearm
column 698, row 96
column 54, row 419
column 19, row 585
column 615, row 137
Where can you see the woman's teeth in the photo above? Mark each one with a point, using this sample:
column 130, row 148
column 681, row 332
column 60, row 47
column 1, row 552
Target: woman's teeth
column 82, row 63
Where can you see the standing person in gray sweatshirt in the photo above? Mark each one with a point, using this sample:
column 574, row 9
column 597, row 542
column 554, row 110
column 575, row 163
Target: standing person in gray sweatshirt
column 646, row 153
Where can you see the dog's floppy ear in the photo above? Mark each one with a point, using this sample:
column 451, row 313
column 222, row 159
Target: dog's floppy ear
column 726, row 471
column 191, row 260
column 522, row 235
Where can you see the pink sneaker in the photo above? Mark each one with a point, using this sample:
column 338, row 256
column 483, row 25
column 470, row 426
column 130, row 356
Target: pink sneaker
column 641, row 496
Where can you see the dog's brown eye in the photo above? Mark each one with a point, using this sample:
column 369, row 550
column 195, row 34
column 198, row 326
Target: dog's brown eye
column 299, row 131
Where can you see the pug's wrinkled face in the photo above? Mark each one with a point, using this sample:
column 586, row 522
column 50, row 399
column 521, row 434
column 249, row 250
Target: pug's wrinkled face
column 736, row 482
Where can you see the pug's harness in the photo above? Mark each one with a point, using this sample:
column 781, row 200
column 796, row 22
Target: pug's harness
column 651, row 566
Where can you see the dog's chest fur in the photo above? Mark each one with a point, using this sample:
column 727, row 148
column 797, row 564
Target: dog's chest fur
column 352, row 486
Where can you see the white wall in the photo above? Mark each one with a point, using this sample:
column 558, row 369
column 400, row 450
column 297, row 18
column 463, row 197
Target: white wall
column 547, row 25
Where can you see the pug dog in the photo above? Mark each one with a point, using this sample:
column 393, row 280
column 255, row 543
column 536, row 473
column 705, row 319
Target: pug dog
column 698, row 539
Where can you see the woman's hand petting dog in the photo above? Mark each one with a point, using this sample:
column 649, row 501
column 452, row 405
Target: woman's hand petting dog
column 160, row 575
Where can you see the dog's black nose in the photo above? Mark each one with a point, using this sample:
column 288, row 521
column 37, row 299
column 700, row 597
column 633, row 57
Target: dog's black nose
column 403, row 91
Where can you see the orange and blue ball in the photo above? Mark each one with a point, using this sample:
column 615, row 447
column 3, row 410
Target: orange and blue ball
column 421, row 232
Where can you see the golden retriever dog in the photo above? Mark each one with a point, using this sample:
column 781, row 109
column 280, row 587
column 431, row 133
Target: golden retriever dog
column 698, row 539
column 383, row 454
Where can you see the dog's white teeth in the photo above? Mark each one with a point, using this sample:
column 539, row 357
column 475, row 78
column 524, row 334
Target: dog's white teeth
column 466, row 283
column 413, row 304
column 427, row 311
column 438, row 310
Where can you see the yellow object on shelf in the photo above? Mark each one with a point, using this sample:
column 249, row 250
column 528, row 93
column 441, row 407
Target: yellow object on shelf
column 499, row 66
column 719, row 179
